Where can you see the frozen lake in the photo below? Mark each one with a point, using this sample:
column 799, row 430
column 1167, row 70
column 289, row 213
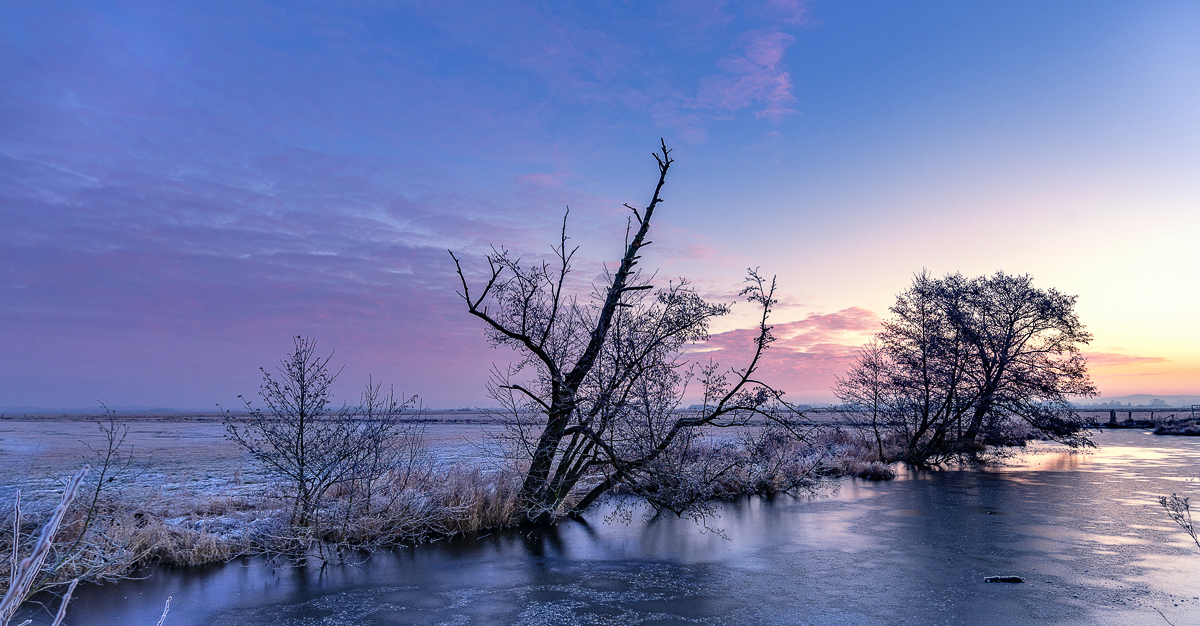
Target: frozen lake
column 1084, row 530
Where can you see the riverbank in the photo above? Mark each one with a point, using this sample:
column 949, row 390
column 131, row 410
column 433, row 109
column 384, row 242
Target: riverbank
column 186, row 496
column 1083, row 530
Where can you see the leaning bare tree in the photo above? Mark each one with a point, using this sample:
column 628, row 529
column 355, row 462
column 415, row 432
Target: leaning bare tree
column 595, row 395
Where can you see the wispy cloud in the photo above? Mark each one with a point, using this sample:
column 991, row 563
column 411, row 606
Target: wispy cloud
column 626, row 58
column 181, row 176
column 130, row 255
column 756, row 78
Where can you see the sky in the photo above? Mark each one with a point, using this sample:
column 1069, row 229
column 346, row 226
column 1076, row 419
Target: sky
column 186, row 186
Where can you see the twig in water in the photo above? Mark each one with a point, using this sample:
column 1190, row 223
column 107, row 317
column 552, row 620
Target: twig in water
column 165, row 609
column 1180, row 512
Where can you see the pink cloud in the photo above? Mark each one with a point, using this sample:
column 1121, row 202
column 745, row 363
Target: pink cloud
column 807, row 355
column 1114, row 366
column 1114, row 359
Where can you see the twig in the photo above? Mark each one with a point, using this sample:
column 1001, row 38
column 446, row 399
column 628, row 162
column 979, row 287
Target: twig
column 62, row 608
column 166, row 608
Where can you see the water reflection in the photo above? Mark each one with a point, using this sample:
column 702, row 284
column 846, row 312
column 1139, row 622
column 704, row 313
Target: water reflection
column 1082, row 529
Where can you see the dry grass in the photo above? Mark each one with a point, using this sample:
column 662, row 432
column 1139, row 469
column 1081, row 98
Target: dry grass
column 760, row 461
column 120, row 540
column 159, row 543
column 144, row 527
column 472, row 499
column 133, row 532
column 422, row 507
column 850, row 454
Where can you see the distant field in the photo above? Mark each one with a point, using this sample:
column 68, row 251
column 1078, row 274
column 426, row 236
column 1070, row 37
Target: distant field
column 182, row 452
column 189, row 452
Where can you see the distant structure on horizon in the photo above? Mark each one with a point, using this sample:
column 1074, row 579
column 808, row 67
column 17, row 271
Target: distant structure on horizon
column 1142, row 400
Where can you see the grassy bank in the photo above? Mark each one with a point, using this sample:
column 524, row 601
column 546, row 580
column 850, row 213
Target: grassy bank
column 129, row 516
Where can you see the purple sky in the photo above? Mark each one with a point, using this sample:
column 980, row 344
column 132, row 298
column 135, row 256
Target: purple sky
column 182, row 188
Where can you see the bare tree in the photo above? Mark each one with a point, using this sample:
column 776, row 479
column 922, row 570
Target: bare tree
column 384, row 446
column 928, row 374
column 1025, row 356
column 961, row 360
column 313, row 445
column 866, row 394
column 594, row 398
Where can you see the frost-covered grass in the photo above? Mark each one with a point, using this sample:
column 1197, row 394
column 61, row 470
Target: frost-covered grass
column 185, row 506
column 169, row 526
column 1178, row 427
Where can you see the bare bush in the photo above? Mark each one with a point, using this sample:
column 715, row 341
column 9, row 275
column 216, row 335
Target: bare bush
column 96, row 544
column 778, row 461
column 97, row 539
column 846, row 454
column 23, row 573
column 313, row 446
